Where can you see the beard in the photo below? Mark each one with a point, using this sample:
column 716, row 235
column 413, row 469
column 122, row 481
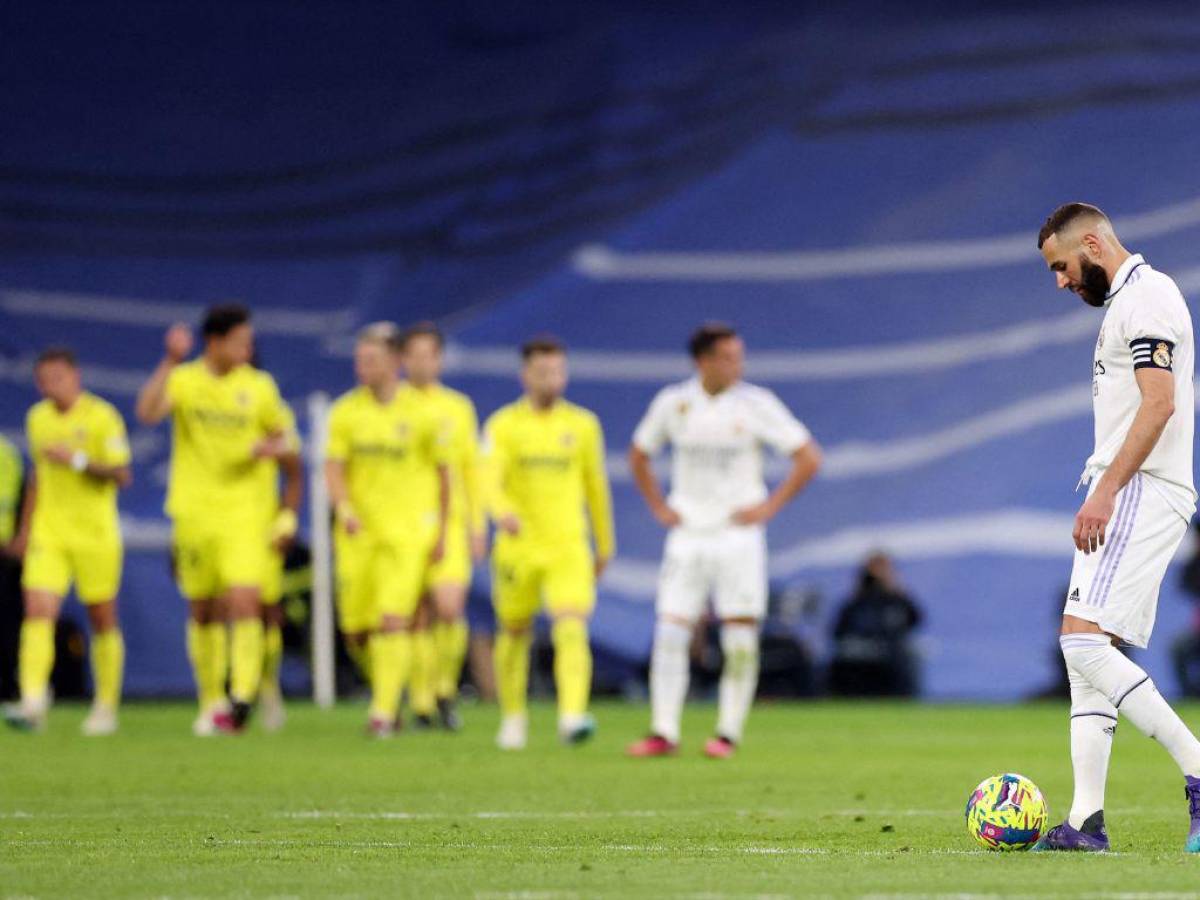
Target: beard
column 1094, row 283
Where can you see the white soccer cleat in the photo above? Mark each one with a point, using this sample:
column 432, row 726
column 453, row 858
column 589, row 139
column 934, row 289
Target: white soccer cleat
column 271, row 709
column 29, row 715
column 576, row 729
column 514, row 732
column 101, row 721
column 205, row 724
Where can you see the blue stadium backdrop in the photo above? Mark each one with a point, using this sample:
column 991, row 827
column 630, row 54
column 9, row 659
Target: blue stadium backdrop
column 857, row 192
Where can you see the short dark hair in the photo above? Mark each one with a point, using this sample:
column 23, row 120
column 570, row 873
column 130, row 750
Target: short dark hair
column 385, row 334
column 425, row 329
column 705, row 337
column 221, row 319
column 541, row 345
column 57, row 353
column 1064, row 216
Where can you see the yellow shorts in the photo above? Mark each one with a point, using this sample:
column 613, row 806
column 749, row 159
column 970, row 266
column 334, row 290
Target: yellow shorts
column 563, row 577
column 93, row 564
column 377, row 578
column 211, row 557
column 455, row 565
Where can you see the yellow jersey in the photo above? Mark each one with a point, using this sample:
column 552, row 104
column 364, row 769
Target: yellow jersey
column 454, row 414
column 12, row 473
column 69, row 503
column 217, row 422
column 391, row 452
column 544, row 466
column 268, row 469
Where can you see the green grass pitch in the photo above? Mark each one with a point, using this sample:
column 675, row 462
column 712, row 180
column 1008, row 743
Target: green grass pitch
column 824, row 799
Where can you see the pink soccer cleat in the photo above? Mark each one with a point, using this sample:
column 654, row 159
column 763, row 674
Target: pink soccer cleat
column 652, row 745
column 719, row 748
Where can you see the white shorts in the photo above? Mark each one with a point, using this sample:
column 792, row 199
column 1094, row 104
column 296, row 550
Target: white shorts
column 1117, row 586
column 728, row 564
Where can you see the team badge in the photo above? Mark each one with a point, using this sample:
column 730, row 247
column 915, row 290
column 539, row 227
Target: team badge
column 567, row 439
column 242, row 398
column 401, row 429
column 1162, row 355
column 683, row 408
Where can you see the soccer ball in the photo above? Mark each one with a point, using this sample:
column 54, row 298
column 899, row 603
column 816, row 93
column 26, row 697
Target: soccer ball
column 1006, row 812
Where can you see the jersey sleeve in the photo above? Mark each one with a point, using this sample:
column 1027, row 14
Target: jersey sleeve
column 494, row 463
column 176, row 388
column 596, row 489
column 33, row 437
column 337, row 444
column 1152, row 328
column 469, row 461
column 114, row 441
column 776, row 427
column 271, row 415
column 291, row 434
column 651, row 434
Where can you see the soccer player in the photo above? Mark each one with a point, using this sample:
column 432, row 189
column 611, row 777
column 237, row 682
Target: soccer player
column 280, row 521
column 81, row 457
column 389, row 485
column 440, row 641
column 227, row 418
column 1139, row 502
column 716, row 515
column 546, row 479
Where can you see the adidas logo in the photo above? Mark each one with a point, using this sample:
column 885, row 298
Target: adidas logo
column 1074, row 598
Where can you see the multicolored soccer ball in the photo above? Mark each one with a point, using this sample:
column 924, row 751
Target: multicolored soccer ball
column 1006, row 812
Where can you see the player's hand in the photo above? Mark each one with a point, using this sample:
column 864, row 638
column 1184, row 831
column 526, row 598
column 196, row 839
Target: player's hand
column 479, row 546
column 272, row 447
column 1092, row 520
column 666, row 516
column 601, row 564
column 509, row 523
column 178, row 342
column 60, row 454
column 756, row 514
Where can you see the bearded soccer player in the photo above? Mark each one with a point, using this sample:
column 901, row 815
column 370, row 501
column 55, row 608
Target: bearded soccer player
column 388, row 482
column 1139, row 502
column 227, row 417
column 280, row 510
column 546, row 482
column 81, row 457
column 717, row 427
column 440, row 639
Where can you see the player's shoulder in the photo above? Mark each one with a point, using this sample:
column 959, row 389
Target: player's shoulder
column 457, row 400
column 506, row 414
column 260, row 378
column 581, row 414
column 187, row 372
column 677, row 391
column 99, row 407
column 755, row 395
column 348, row 402
column 39, row 412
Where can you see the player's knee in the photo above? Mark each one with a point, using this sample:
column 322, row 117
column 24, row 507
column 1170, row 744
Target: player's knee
column 102, row 617
column 516, row 628
column 739, row 644
column 672, row 633
column 569, row 629
column 1095, row 659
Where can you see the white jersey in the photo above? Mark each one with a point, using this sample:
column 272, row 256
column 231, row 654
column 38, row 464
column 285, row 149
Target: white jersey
column 1146, row 325
column 716, row 443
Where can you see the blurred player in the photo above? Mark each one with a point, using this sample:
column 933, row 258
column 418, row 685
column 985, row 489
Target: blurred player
column 388, row 482
column 546, row 478
column 227, row 417
column 280, row 522
column 717, row 426
column 440, row 641
column 1137, row 510
column 71, row 532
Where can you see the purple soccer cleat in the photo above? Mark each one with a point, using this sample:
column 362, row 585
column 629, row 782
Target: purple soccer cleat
column 1192, row 791
column 1091, row 838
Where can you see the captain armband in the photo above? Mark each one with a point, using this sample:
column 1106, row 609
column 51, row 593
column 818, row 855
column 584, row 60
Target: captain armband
column 1152, row 353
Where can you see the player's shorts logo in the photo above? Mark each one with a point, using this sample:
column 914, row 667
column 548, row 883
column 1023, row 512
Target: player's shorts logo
column 1162, row 355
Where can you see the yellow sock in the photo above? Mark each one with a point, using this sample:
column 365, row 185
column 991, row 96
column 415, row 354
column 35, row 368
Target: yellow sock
column 216, row 639
column 108, row 666
column 512, row 669
column 421, row 686
column 391, row 662
column 197, row 650
column 572, row 666
column 360, row 655
column 245, row 672
column 272, row 657
column 36, row 659
column 451, row 641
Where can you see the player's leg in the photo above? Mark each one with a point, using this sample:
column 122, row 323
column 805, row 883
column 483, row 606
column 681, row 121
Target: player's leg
column 683, row 586
column 422, row 693
column 270, row 694
column 516, row 595
column 355, row 599
column 97, row 572
column 570, row 591
column 396, row 572
column 242, row 557
column 741, row 602
column 450, row 579
column 45, row 580
column 193, row 561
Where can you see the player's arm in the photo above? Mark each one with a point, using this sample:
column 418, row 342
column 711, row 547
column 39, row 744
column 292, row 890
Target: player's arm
column 153, row 403
column 20, row 541
column 650, row 437
column 599, row 499
column 337, row 452
column 1157, row 386
column 494, row 473
column 61, row 455
column 439, row 547
column 472, row 487
column 806, row 461
column 287, row 521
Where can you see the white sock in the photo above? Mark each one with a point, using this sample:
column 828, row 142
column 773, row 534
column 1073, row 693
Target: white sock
column 739, row 678
column 669, row 670
column 1129, row 688
column 1093, row 722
